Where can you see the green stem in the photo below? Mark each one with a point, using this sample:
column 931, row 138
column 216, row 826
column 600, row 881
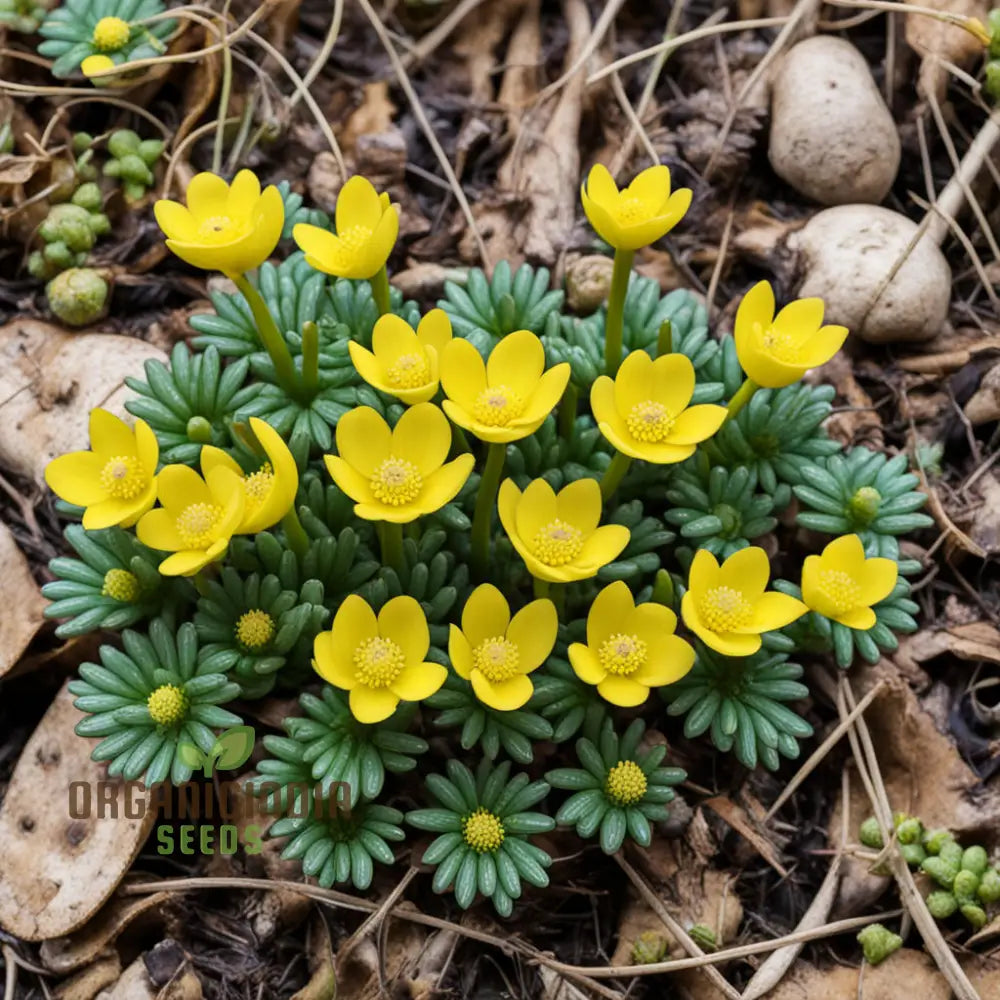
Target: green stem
column 567, row 411
column 310, row 358
column 391, row 538
column 271, row 338
column 557, row 594
column 540, row 587
column 742, row 397
column 614, row 324
column 613, row 474
column 489, row 483
column 298, row 540
column 665, row 339
column 459, row 442
column 380, row 291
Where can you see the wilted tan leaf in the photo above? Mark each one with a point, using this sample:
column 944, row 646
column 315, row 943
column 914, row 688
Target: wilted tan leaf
column 87, row 983
column 22, row 601
column 134, row 984
column 937, row 41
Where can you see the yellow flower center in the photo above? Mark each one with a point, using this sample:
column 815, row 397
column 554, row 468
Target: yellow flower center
column 840, row 589
column 782, row 345
column 121, row 585
column 557, row 543
column 254, row 629
column 409, row 371
column 626, row 783
column 124, row 477
column 167, row 705
column 378, row 662
column 622, row 654
column 632, row 210
column 110, row 34
column 396, row 482
column 220, row 229
column 649, row 421
column 196, row 524
column 257, row 485
column 350, row 243
column 483, row 831
column 724, row 609
column 497, row 406
column 496, row 659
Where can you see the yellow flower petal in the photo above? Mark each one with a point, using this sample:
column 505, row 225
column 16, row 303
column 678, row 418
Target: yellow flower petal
column 188, row 562
column 669, row 659
column 506, row 696
column 391, row 337
column 878, row 579
column 371, row 705
column 357, row 205
column 334, row 661
column 463, row 373
column 823, row 345
column 634, row 382
column 435, row 330
column 76, row 478
column 175, row 220
column 419, row 681
column 486, row 615
column 125, row 513
column 348, row 480
column 179, row 486
column 353, row 623
column 697, row 424
column 243, row 194
column 704, row 573
column 774, row 610
column 536, row 508
column 422, row 436
column 543, row 400
column 207, row 194
column 610, row 609
column 603, row 546
column 800, row 318
column 622, row 691
column 158, row 530
column 403, row 621
column 652, row 188
column 756, row 308
column 602, row 220
column 601, row 185
column 110, row 435
column 648, row 621
column 859, row 618
column 673, row 381
column 533, row 630
column 444, row 485
column 585, row 664
column 459, row 652
column 746, row 571
column 579, row 504
column 517, row 362
column 364, row 440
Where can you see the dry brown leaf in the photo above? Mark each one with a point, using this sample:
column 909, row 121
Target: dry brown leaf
column 938, row 41
column 322, row 983
column 51, row 380
column 743, row 824
column 975, row 642
column 376, row 113
column 22, row 601
column 56, row 871
column 961, row 347
column 134, row 984
column 859, row 422
column 87, row 983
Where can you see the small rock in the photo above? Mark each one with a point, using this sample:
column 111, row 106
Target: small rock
column 588, row 281
column 832, row 136
column 847, row 252
column 984, row 406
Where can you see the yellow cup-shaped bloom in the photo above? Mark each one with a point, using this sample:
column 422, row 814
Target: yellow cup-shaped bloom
column 726, row 606
column 557, row 535
column 229, row 228
column 776, row 351
column 496, row 652
column 197, row 518
column 269, row 490
column 379, row 660
column 843, row 585
column 638, row 215
column 402, row 362
column 367, row 227
column 400, row 474
column 644, row 410
column 507, row 397
column 629, row 648
column 116, row 480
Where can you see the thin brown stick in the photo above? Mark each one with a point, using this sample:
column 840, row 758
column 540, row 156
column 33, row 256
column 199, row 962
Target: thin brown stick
column 374, row 920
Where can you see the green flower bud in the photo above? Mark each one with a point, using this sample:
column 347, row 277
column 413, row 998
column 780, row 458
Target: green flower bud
column 82, row 141
column 951, row 854
column 878, row 943
column 123, row 142
column 976, row 915
column 150, row 150
column 100, row 224
column 870, row 834
column 649, row 947
column 663, row 589
column 965, row 885
column 913, row 854
column 989, row 886
column 134, row 170
column 199, row 430
column 941, row 905
column 939, row 870
column 975, row 859
column 909, row 830
column 88, row 196
column 704, row 937
column 934, row 840
column 863, row 506
column 78, row 296
column 58, row 255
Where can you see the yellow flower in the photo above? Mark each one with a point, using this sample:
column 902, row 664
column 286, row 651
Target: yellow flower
column 630, row 648
column 843, row 585
column 111, row 34
column 116, row 480
column 380, row 661
column 400, row 474
column 404, row 363
column 496, row 652
column 509, row 396
column 644, row 411
column 197, row 519
column 225, row 228
column 726, row 606
column 98, row 64
column 270, row 490
column 776, row 351
column 367, row 227
column 640, row 214
column 557, row 535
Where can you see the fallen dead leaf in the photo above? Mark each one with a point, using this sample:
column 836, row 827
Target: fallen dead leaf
column 975, row 642
column 937, row 42
column 134, row 984
column 57, row 871
column 88, row 982
column 22, row 601
column 322, row 983
column 743, row 824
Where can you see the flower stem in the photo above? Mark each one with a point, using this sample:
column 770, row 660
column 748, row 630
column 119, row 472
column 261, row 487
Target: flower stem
column 742, row 397
column 614, row 324
column 298, row 540
column 613, row 474
column 459, row 442
column 380, row 291
column 271, row 338
column 665, row 339
column 540, row 587
column 310, row 358
column 391, row 539
column 567, row 411
column 489, row 483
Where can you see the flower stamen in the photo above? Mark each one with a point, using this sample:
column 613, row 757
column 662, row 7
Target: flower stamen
column 378, row 662
column 557, row 543
column 110, row 34
column 649, row 421
column 396, row 482
column 840, row 589
column 120, row 585
column 622, row 654
column 124, row 477
column 196, row 524
column 483, row 831
column 625, row 783
column 497, row 406
column 167, row 704
column 496, row 659
column 725, row 609
column 254, row 629
column 410, row 371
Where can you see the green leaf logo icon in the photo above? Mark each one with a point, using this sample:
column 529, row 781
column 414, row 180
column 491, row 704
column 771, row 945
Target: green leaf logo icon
column 190, row 755
column 233, row 747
